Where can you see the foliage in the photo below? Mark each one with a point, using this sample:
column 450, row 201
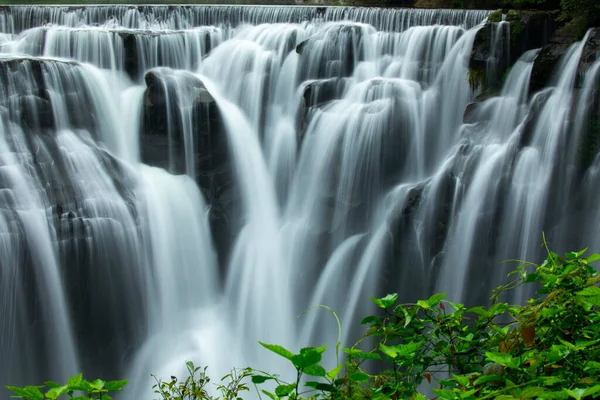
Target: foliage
column 194, row 387
column 76, row 388
column 548, row 348
column 496, row 16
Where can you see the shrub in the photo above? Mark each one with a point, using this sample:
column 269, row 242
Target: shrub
column 76, row 388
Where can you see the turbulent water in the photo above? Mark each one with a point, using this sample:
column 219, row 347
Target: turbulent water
column 179, row 182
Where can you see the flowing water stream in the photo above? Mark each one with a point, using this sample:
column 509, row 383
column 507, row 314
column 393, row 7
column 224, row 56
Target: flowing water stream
column 179, row 182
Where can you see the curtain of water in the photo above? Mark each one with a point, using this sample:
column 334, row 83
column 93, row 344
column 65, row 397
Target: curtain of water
column 328, row 143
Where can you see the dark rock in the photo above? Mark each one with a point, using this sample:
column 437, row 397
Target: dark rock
column 591, row 51
column 132, row 67
column 331, row 53
column 316, row 94
column 530, row 30
column 547, row 59
column 497, row 46
column 162, row 143
column 35, row 112
column 470, row 113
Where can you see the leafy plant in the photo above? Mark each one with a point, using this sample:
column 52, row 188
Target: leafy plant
column 548, row 348
column 76, row 388
column 194, row 387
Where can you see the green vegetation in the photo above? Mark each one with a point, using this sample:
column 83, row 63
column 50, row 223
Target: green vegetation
column 548, row 348
column 76, row 388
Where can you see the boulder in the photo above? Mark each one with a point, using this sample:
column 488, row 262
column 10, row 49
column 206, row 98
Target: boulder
column 316, row 94
column 162, row 143
column 332, row 52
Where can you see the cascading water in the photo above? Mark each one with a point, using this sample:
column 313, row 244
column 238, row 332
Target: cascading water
column 177, row 183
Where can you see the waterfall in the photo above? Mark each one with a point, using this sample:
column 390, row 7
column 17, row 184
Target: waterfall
column 180, row 182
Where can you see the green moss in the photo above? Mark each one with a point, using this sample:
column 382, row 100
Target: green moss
column 476, row 78
column 516, row 28
column 496, row 16
column 513, row 15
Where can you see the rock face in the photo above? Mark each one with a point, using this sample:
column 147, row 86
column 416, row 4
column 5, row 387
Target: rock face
column 498, row 45
column 316, row 94
column 183, row 132
column 332, row 53
column 550, row 54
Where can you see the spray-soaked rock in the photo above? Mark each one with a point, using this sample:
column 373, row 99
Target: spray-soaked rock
column 499, row 45
column 183, row 132
column 334, row 52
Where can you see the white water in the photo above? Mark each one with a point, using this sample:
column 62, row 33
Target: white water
column 352, row 174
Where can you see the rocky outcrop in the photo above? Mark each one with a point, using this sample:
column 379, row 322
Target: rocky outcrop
column 498, row 45
column 316, row 94
column 547, row 60
column 331, row 53
column 166, row 131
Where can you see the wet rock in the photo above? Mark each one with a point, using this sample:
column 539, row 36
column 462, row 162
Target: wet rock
column 331, row 53
column 163, row 143
column 497, row 46
column 591, row 51
column 547, row 60
column 25, row 95
column 316, row 94
column 469, row 116
column 36, row 112
column 132, row 67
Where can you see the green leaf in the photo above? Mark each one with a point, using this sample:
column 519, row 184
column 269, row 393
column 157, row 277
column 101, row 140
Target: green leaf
column 576, row 254
column 386, row 301
column 308, row 356
column 284, row 390
column 27, row 392
column 275, row 348
column 359, row 377
column 590, row 294
column 51, row 384
column 315, row 370
column 503, row 359
column 461, row 379
column 406, row 350
column 592, row 365
column 114, row 386
column 55, row 393
column 258, row 379
column 576, row 393
column 488, row 378
column 331, row 375
column 17, row 390
column 361, row 354
column 432, row 301
column 592, row 390
column 593, row 257
column 271, row 395
column 324, row 387
column 371, row 319
column 98, row 384
column 479, row 310
column 75, row 380
column 550, row 380
column 532, row 392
